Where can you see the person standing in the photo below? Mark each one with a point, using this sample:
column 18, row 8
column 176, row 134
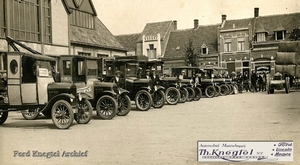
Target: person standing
column 253, row 81
column 260, row 82
column 116, row 79
column 245, row 79
column 264, row 81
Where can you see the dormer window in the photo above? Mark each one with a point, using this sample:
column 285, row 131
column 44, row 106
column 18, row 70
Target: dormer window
column 204, row 49
column 261, row 37
column 279, row 35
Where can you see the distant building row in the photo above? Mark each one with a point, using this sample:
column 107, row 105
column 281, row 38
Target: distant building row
column 241, row 45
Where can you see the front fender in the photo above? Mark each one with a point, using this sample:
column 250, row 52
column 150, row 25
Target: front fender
column 85, row 95
column 70, row 98
column 144, row 88
column 123, row 91
column 158, row 87
column 111, row 93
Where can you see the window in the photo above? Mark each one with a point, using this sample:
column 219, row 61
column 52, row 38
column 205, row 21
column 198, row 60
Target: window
column 84, row 54
column 2, row 18
column 151, row 46
column 279, row 35
column 25, row 20
column 261, row 37
column 204, row 49
column 241, row 44
column 47, row 21
column 67, row 67
column 82, row 19
column 227, row 45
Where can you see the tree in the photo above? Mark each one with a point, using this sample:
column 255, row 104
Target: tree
column 191, row 57
column 295, row 35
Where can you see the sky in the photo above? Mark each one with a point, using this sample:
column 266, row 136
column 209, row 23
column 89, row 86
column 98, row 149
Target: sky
column 131, row 16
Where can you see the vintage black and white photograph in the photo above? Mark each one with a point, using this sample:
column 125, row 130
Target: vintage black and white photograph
column 149, row 82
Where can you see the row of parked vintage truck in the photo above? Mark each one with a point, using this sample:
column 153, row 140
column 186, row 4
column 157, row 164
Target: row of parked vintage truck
column 70, row 87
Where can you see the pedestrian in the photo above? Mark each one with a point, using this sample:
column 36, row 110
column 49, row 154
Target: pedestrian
column 117, row 79
column 154, row 77
column 253, row 81
column 264, row 81
column 260, row 82
column 245, row 79
column 139, row 72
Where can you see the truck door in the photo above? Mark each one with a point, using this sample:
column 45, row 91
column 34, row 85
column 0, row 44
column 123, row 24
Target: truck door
column 14, row 78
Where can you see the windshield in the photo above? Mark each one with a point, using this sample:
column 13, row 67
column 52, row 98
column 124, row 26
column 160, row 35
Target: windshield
column 91, row 67
column 131, row 70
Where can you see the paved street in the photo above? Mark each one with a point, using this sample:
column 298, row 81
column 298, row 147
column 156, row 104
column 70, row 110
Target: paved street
column 158, row 136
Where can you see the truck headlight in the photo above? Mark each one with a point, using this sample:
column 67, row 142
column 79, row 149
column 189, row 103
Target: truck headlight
column 79, row 97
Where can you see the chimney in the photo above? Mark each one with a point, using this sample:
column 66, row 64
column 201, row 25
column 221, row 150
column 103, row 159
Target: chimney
column 256, row 12
column 223, row 18
column 196, row 23
column 175, row 25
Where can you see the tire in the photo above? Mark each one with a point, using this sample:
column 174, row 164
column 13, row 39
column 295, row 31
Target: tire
column 30, row 114
column 85, row 112
column 210, row 91
column 198, row 94
column 62, row 114
column 159, row 99
column 172, row 96
column 124, row 105
column 191, row 94
column 218, row 90
column 230, row 89
column 143, row 100
column 287, row 85
column 183, row 95
column 3, row 117
column 272, row 91
column 224, row 90
column 106, row 107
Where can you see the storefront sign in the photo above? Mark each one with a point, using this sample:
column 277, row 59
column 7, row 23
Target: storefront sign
column 244, row 151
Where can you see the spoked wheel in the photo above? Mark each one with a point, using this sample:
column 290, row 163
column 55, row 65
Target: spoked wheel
column 124, row 106
column 191, row 94
column 106, row 107
column 198, row 94
column 210, row 91
column 287, row 85
column 183, row 95
column 30, row 114
column 230, row 87
column 218, row 90
column 143, row 100
column 172, row 95
column 85, row 112
column 62, row 114
column 224, row 90
column 159, row 99
column 3, row 117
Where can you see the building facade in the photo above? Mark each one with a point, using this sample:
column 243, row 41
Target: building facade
column 151, row 42
column 251, row 44
column 56, row 27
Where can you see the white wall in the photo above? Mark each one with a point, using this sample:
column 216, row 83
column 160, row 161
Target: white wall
column 59, row 24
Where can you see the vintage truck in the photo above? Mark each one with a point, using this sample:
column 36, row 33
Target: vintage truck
column 287, row 67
